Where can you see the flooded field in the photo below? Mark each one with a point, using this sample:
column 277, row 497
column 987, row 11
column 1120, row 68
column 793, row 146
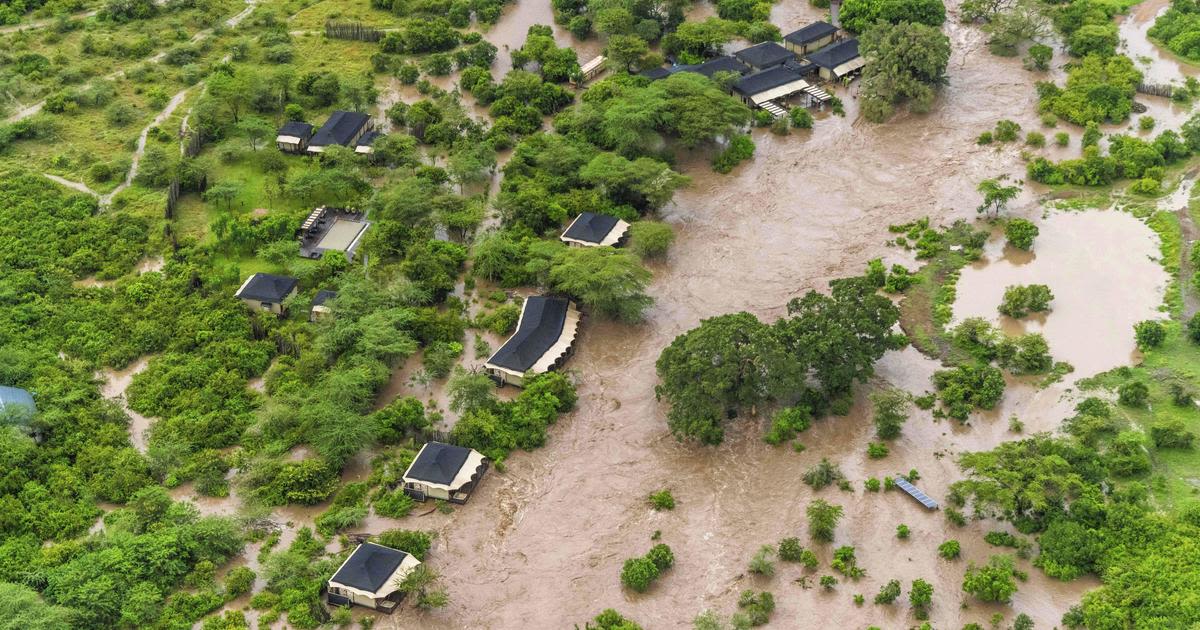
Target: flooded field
column 115, row 382
column 1102, row 269
column 542, row 544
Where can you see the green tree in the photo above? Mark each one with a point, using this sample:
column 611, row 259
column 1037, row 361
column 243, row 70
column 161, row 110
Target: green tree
column 996, row 195
column 891, row 412
column 1020, row 233
column 1149, row 334
column 611, row 281
column 651, row 239
column 920, row 595
column 992, row 582
column 823, row 518
column 906, row 62
column 470, row 391
column 23, row 609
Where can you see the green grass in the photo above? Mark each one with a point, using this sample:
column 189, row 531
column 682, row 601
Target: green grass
column 314, row 17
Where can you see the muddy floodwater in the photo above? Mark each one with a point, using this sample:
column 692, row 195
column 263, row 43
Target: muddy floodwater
column 114, row 384
column 1101, row 267
column 543, row 543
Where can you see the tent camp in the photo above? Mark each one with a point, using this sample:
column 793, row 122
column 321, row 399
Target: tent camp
column 371, row 577
column 444, row 471
column 545, row 333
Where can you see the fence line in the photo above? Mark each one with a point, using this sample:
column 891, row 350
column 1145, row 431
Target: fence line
column 352, row 30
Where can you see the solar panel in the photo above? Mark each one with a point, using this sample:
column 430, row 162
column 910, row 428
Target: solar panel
column 915, row 493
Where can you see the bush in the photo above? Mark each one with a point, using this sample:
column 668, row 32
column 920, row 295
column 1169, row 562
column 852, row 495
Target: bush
column 662, row 500
column 740, row 149
column 984, row 138
column 1062, row 138
column 845, row 562
column 413, row 542
column 1133, row 394
column 902, row 531
column 822, row 519
column 823, row 474
column 949, row 549
column 1020, row 233
column 1021, row 300
column 890, row 412
column 871, row 484
column 828, row 582
column 968, row 387
column 786, row 423
column 877, row 450
column 1149, row 334
column 920, row 595
column 639, row 573
column 1193, row 328
column 651, row 239
column 888, row 593
column 1146, row 123
column 393, row 504
column 761, row 563
column 238, row 582
column 754, row 610
column 1035, row 139
column 1039, row 57
column 993, row 582
column 801, row 118
column 790, row 550
column 1007, row 131
column 662, row 556
column 1171, row 434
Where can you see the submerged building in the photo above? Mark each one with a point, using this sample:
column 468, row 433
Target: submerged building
column 837, row 61
column 594, row 230
column 444, row 471
column 542, row 342
column 266, row 292
column 811, row 38
column 371, row 578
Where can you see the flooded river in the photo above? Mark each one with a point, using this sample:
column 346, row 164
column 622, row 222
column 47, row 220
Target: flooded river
column 545, row 541
column 1101, row 267
column 542, row 544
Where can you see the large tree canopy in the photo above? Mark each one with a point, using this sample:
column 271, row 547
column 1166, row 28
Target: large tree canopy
column 859, row 15
column 905, row 62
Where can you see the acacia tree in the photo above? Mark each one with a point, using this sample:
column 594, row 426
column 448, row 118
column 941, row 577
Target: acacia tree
column 612, row 281
column 891, row 412
column 996, row 195
column 992, row 582
column 709, row 373
column 905, row 62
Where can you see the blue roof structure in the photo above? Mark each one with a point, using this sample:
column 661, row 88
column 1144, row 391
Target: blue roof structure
column 916, row 493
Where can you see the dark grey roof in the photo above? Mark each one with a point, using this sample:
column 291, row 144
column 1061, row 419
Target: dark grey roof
column 591, row 227
column 655, row 74
column 438, row 463
column 835, row 55
column 296, row 128
column 541, row 325
column 266, row 287
column 764, row 55
column 811, row 33
column 720, row 64
column 339, row 129
column 369, row 567
column 323, row 296
column 766, row 80
column 368, row 138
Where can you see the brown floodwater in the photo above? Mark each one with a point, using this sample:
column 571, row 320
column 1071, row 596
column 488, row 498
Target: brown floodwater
column 114, row 386
column 1101, row 267
column 544, row 542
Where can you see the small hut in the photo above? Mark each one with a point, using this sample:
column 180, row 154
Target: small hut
column 364, row 143
column 811, row 38
column 371, row 578
column 293, row 136
column 762, row 89
column 444, row 471
column 320, row 309
column 266, row 292
column 837, row 61
column 342, row 128
column 543, row 340
column 590, row 70
column 595, row 230
column 765, row 55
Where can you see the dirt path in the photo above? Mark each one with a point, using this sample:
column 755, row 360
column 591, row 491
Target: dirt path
column 174, row 103
column 80, row 186
column 44, row 22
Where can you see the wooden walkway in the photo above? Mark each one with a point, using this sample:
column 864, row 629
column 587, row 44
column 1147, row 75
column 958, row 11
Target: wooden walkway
column 915, row 493
column 773, row 109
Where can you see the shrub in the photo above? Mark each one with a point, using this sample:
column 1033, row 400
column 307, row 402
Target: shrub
column 662, row 500
column 1193, row 328
column 1035, row 139
column 1007, row 131
column 1171, row 434
column 1133, row 394
column 968, row 387
column 238, row 582
column 639, row 573
column 984, row 138
column 1146, row 123
column 877, row 450
column 651, row 239
column 1149, row 334
column 1020, row 233
column 902, row 531
column 823, row 474
column 662, row 556
column 754, row 610
column 740, row 149
column 956, row 517
column 828, row 582
column 845, row 562
column 394, row 504
column 1021, row 300
column 413, row 542
column 949, row 549
column 992, row 582
column 920, row 595
column 1062, row 138
column 888, row 593
column 822, row 519
column 891, row 412
column 801, row 118
column 761, row 563
column 1039, row 56
column 790, row 550
column 871, row 484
